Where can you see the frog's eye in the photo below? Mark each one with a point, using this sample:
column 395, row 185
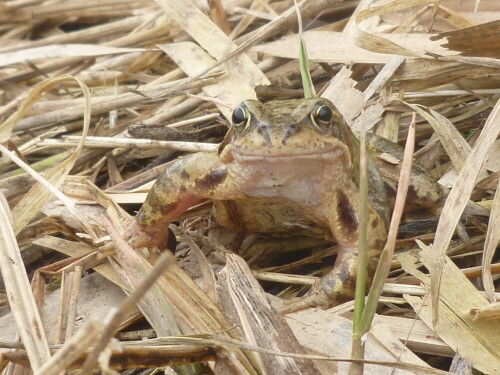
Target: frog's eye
column 322, row 116
column 241, row 117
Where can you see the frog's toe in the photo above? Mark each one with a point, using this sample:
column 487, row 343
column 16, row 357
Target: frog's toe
column 315, row 299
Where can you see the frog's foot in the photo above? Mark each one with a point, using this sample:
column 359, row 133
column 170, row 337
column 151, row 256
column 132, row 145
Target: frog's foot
column 318, row 298
column 331, row 290
column 137, row 237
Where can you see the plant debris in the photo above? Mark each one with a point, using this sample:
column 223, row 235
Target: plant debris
column 97, row 98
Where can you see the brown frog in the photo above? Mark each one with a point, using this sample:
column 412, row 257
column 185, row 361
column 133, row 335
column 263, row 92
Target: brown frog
column 285, row 166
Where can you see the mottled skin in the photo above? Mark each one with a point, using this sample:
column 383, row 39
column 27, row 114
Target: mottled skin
column 423, row 191
column 283, row 170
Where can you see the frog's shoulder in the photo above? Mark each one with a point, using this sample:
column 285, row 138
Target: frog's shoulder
column 424, row 190
column 377, row 194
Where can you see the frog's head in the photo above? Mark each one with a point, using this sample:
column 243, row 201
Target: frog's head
column 311, row 128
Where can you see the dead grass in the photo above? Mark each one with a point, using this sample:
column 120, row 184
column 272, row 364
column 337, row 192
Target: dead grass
column 150, row 80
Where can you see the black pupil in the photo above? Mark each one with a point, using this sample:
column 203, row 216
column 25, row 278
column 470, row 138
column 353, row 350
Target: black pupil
column 324, row 113
column 239, row 116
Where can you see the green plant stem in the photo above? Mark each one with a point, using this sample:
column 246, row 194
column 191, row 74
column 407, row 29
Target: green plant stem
column 358, row 348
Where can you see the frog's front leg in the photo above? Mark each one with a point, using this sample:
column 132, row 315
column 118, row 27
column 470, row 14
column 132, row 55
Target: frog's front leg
column 184, row 183
column 339, row 284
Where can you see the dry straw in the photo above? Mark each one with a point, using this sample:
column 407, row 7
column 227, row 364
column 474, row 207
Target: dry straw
column 98, row 97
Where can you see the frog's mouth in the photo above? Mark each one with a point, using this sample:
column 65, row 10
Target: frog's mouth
column 329, row 155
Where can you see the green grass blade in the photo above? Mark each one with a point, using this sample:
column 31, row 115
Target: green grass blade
column 307, row 83
column 358, row 346
column 375, row 292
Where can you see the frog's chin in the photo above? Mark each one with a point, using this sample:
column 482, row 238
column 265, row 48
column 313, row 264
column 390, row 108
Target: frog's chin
column 295, row 177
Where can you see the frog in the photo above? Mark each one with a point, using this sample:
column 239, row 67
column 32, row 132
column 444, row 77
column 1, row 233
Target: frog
column 285, row 166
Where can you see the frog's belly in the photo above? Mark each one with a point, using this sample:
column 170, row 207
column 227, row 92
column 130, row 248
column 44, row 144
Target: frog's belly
column 264, row 215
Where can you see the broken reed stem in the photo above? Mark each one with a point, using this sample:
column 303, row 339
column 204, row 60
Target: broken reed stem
column 102, row 105
column 19, row 293
column 123, row 142
column 491, row 243
column 116, row 317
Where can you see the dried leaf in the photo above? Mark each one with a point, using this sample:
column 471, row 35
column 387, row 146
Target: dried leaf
column 342, row 49
column 237, row 85
column 458, row 198
column 477, row 40
column 211, row 38
column 478, row 341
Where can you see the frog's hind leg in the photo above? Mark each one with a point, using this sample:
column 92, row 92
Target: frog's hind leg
column 339, row 284
column 185, row 182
